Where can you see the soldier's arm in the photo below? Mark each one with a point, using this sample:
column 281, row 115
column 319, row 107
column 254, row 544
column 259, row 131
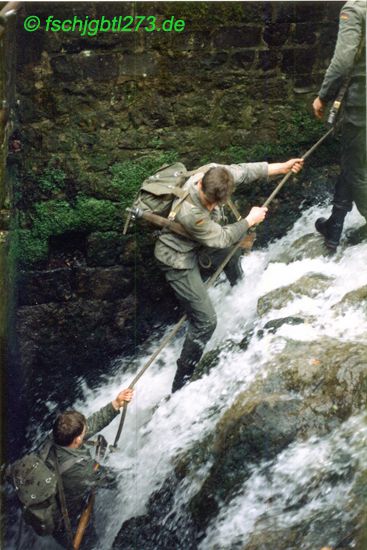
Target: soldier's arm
column 349, row 37
column 247, row 173
column 209, row 233
column 250, row 172
column 99, row 420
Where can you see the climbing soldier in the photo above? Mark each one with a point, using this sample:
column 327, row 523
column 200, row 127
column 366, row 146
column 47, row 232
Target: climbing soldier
column 70, row 431
column 349, row 58
column 179, row 257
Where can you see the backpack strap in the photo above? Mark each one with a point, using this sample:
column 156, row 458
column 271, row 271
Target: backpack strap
column 234, row 209
column 65, row 466
column 64, row 510
column 172, row 215
column 45, row 451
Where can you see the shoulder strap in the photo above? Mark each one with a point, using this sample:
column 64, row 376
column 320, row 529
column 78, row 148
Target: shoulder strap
column 234, row 209
column 65, row 466
column 172, row 215
column 64, row 510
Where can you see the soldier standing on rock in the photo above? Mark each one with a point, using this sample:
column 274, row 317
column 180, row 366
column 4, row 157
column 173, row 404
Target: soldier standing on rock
column 351, row 185
column 179, row 257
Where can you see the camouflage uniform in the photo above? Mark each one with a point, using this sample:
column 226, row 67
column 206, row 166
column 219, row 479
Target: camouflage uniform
column 351, row 185
column 80, row 478
column 178, row 257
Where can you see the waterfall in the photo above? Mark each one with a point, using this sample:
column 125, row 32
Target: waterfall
column 310, row 481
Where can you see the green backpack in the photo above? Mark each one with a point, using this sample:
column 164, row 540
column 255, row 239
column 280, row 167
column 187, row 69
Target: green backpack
column 158, row 191
column 36, row 487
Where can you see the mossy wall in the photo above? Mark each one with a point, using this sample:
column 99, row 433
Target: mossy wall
column 99, row 113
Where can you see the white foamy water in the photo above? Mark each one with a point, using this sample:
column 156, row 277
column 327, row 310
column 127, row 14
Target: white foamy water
column 157, row 430
column 314, row 473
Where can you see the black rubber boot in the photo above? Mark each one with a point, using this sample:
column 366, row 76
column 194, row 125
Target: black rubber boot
column 331, row 229
column 183, row 374
column 190, row 356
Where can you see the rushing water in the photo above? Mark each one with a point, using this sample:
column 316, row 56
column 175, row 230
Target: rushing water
column 157, row 429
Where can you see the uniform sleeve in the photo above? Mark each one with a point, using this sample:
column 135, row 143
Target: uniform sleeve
column 99, row 420
column 244, row 174
column 207, row 232
column 349, row 37
column 247, row 173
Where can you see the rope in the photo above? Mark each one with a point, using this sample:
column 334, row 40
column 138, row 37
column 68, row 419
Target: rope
column 209, row 283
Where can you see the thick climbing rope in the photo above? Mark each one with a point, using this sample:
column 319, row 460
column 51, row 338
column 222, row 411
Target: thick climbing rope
column 209, row 283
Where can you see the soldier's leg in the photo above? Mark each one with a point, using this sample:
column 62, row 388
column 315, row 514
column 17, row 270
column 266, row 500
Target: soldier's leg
column 332, row 227
column 192, row 293
column 357, row 166
column 233, row 269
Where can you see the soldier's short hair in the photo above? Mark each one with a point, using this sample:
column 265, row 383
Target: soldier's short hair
column 217, row 184
column 68, row 425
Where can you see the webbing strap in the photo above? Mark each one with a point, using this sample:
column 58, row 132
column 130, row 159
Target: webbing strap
column 64, row 510
column 172, row 215
column 234, row 209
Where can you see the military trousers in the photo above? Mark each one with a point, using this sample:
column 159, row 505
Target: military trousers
column 351, row 185
column 189, row 287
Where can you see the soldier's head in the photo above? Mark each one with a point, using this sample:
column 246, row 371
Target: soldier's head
column 69, row 429
column 217, row 186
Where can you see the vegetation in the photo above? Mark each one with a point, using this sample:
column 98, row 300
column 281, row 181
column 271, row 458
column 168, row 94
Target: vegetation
column 60, row 208
column 85, row 213
column 127, row 176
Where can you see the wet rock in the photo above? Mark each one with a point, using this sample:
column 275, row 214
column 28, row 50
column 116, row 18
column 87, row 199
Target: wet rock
column 310, row 389
column 176, row 531
column 354, row 299
column 308, row 285
column 332, row 377
column 103, row 283
column 307, row 246
column 37, row 287
column 83, row 332
column 254, row 428
column 272, row 326
column 104, row 249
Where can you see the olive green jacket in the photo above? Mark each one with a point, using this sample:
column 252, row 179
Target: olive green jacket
column 352, row 30
column 82, row 476
column 204, row 226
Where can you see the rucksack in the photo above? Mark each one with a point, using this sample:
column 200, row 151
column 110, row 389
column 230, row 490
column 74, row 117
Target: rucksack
column 158, row 192
column 36, row 487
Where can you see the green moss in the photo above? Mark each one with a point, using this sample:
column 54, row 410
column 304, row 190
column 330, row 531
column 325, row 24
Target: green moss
column 128, row 176
column 201, row 15
column 52, row 180
column 27, row 248
column 297, row 131
column 89, row 214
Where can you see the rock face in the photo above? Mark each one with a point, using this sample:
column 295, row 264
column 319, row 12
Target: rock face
column 297, row 399
column 97, row 113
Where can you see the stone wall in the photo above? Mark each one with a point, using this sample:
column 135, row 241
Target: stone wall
column 92, row 110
